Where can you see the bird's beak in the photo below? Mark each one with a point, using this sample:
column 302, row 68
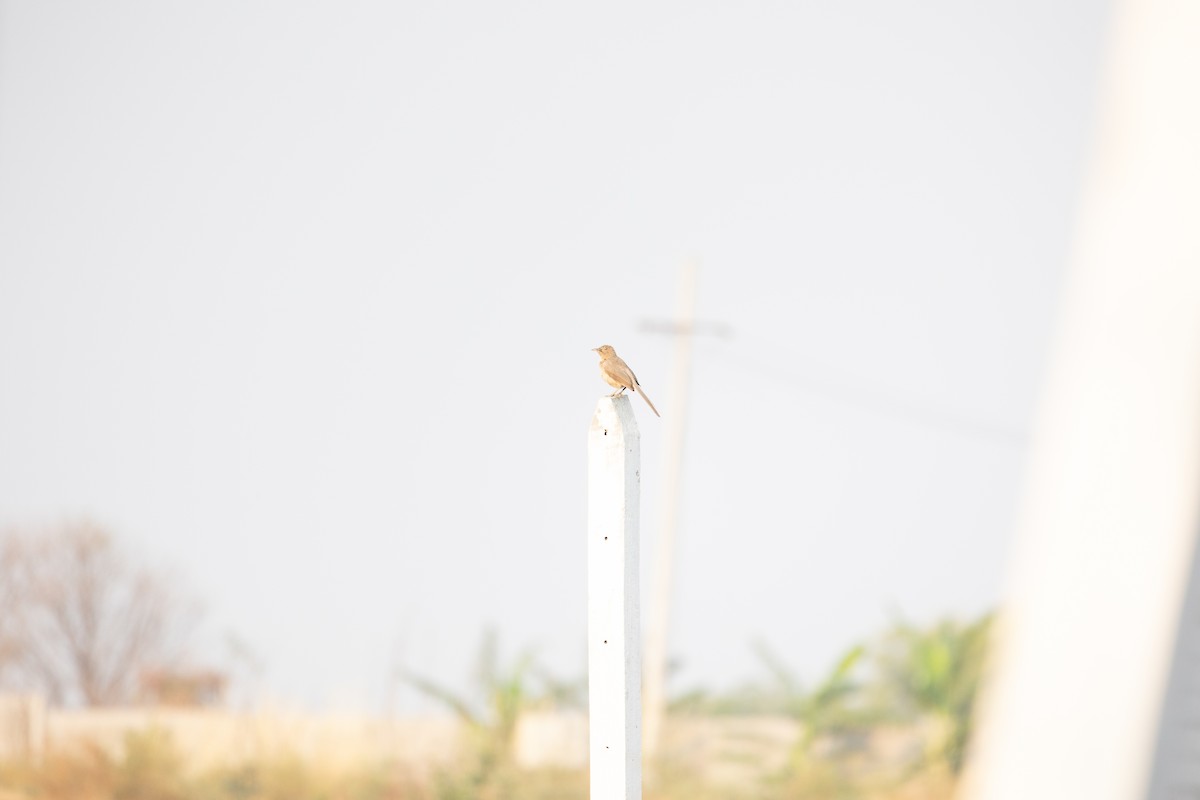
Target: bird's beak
column 595, row 349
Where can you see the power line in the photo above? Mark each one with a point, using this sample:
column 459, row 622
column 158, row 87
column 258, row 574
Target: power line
column 872, row 400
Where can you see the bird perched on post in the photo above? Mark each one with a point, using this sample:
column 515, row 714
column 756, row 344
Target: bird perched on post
column 616, row 373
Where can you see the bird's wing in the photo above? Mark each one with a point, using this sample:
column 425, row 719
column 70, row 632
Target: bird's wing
column 621, row 371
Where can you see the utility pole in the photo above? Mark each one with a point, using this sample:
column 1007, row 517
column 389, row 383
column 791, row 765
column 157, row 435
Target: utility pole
column 683, row 328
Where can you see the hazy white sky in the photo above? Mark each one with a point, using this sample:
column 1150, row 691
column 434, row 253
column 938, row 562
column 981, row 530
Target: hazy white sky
column 298, row 299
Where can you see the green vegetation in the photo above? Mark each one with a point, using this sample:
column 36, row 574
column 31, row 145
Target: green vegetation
column 488, row 770
column 890, row 721
column 936, row 671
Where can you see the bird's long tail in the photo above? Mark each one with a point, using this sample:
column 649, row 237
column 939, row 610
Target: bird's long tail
column 642, row 392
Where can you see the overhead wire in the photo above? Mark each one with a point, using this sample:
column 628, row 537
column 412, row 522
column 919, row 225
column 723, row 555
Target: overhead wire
column 792, row 370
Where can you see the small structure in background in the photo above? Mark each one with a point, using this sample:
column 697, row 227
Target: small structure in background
column 166, row 687
column 22, row 727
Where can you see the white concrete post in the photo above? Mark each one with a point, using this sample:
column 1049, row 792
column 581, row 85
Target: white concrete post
column 614, row 638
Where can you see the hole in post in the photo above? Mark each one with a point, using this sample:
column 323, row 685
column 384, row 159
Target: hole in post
column 606, row 538
column 606, row 431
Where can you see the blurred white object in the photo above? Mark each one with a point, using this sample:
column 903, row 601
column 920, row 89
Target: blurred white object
column 548, row 739
column 1092, row 692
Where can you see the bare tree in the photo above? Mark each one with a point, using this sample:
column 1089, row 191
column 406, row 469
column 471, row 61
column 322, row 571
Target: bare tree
column 81, row 622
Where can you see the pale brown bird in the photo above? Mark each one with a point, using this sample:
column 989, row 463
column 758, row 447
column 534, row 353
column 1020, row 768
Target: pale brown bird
column 616, row 373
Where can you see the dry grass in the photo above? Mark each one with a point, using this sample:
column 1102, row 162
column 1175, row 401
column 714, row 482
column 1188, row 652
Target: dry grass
column 152, row 768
